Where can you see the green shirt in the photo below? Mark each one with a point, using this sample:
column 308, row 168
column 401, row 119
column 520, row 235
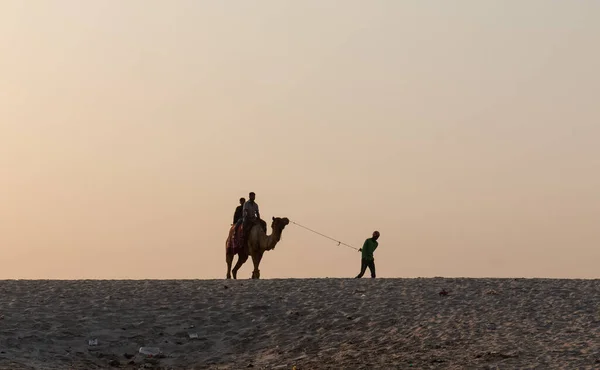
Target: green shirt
column 368, row 249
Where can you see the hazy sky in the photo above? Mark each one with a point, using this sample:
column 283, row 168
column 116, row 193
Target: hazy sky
column 467, row 132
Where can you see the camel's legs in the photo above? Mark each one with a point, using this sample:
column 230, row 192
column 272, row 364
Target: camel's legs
column 229, row 253
column 242, row 258
column 229, row 260
column 256, row 261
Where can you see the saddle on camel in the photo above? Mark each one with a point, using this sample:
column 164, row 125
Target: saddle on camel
column 240, row 231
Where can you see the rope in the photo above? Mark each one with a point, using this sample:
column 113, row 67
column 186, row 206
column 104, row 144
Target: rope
column 325, row 236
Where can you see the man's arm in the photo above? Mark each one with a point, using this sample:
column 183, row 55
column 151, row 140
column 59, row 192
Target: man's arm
column 257, row 212
column 364, row 245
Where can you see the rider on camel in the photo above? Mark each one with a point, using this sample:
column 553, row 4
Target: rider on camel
column 250, row 217
column 239, row 211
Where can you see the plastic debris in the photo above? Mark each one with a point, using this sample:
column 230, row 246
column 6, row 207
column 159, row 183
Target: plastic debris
column 150, row 351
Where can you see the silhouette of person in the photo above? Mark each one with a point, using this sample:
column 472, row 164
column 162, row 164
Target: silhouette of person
column 237, row 215
column 367, row 259
column 250, row 216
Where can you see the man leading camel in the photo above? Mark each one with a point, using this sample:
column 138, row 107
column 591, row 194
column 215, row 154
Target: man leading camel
column 367, row 255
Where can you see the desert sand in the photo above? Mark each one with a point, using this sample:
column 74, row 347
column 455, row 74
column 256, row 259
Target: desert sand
column 307, row 323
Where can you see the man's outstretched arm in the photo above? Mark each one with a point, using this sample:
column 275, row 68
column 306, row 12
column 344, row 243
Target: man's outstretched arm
column 364, row 245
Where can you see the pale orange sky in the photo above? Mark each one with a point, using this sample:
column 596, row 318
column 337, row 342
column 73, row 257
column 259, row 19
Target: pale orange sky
column 467, row 132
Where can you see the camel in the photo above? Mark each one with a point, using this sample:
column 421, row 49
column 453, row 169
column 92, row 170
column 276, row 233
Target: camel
column 258, row 243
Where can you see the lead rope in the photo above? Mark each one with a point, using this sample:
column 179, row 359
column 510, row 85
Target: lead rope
column 325, row 236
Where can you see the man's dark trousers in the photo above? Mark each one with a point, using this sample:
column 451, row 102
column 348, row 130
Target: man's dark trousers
column 363, row 267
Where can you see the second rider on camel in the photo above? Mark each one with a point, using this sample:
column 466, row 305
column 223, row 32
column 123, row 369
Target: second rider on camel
column 237, row 215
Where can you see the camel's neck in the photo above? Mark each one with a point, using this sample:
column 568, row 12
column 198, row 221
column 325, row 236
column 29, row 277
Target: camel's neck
column 272, row 240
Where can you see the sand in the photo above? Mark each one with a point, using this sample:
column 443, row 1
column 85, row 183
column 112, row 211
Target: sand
column 309, row 323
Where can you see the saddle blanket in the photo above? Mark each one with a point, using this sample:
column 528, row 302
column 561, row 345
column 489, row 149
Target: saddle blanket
column 235, row 242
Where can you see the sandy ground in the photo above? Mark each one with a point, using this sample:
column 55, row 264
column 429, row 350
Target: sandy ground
column 309, row 323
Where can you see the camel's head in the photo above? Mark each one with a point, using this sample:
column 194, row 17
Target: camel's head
column 279, row 223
